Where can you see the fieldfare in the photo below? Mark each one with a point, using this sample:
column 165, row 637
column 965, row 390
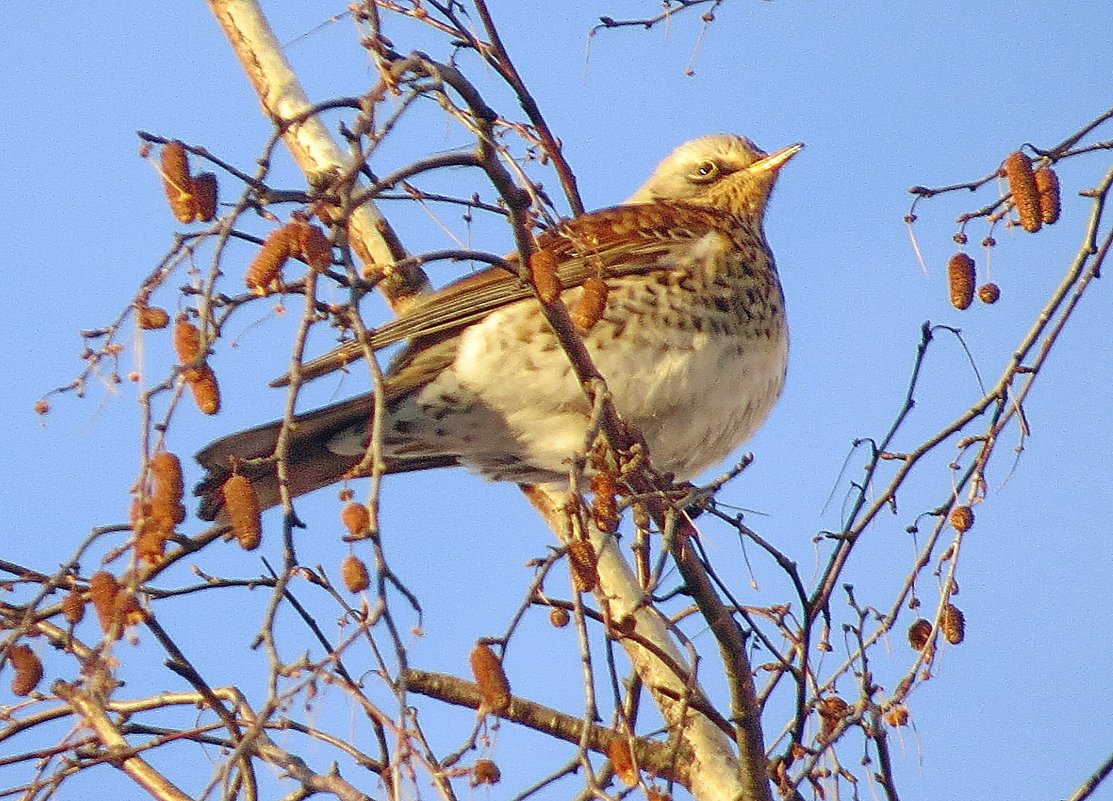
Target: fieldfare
column 692, row 341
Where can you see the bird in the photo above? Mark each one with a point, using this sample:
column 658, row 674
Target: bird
column 692, row 342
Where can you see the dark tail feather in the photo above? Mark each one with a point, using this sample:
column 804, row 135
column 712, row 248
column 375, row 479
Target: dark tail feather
column 310, row 464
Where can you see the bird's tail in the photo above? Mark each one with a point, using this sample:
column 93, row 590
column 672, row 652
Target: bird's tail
column 310, row 463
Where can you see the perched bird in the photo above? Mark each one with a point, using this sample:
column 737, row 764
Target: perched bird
column 692, row 341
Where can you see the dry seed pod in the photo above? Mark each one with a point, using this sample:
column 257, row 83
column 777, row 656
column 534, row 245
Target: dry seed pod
column 604, row 507
column 315, row 247
column 242, row 506
column 622, row 760
column 1022, row 184
column 581, row 562
column 543, row 268
column 150, row 318
column 919, row 633
column 485, row 772
column 28, row 669
column 953, row 624
column 204, row 197
column 267, row 265
column 559, row 617
column 354, row 572
column 962, row 518
column 177, row 182
column 187, row 341
column 206, row 392
column 1047, row 185
column 73, row 607
column 356, row 519
column 591, row 305
column 989, row 293
column 494, row 687
column 960, row 273
column 103, row 589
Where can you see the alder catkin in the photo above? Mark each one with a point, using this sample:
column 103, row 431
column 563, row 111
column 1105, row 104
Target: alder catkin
column 206, row 391
column 1047, row 185
column 354, row 572
column 28, row 669
column 315, row 247
column 1022, row 184
column 356, row 519
column 176, row 181
column 581, row 563
column 960, row 273
column 831, row 711
column 73, row 607
column 103, row 589
column 151, row 318
column 622, row 760
column 591, row 305
column 604, row 505
column 187, row 341
column 543, row 268
column 242, row 506
column 267, row 265
column 494, row 687
column 205, row 196
column 953, row 624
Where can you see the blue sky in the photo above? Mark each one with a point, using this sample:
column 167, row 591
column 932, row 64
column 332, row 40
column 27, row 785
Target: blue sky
column 885, row 96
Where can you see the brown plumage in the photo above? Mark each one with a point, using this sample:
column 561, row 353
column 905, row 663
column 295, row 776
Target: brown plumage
column 692, row 339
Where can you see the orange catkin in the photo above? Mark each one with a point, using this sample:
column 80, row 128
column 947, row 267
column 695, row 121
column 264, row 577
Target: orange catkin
column 581, row 562
column 356, row 519
column 591, row 305
column 267, row 265
column 354, row 572
column 953, row 624
column 177, row 182
column 960, row 273
column 187, row 341
column 151, row 318
column 543, row 268
column 103, row 589
column 494, row 687
column 73, row 607
column 962, row 518
column 315, row 247
column 28, row 669
column 989, row 293
column 242, row 505
column 1022, row 184
column 205, row 196
column 622, row 760
column 1047, row 185
column 485, row 772
column 206, row 391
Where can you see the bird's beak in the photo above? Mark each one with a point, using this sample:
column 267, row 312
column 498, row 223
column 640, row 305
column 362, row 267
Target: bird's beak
column 774, row 161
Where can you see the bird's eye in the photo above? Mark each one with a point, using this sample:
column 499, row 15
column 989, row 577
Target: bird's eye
column 706, row 171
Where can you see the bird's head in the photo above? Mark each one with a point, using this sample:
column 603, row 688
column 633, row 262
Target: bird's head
column 723, row 171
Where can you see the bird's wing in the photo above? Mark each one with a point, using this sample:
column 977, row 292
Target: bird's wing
column 615, row 242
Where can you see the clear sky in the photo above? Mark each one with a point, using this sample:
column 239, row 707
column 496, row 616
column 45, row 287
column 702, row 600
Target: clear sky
column 886, row 95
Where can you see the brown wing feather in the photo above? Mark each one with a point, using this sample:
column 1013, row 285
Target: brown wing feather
column 624, row 240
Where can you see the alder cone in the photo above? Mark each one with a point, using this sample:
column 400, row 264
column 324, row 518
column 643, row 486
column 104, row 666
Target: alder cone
column 919, row 633
column 1022, row 184
column 103, row 589
column 494, row 687
column 73, row 607
column 205, row 196
column 989, row 293
column 356, row 519
column 622, row 760
column 962, row 519
column 543, row 268
column 151, row 318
